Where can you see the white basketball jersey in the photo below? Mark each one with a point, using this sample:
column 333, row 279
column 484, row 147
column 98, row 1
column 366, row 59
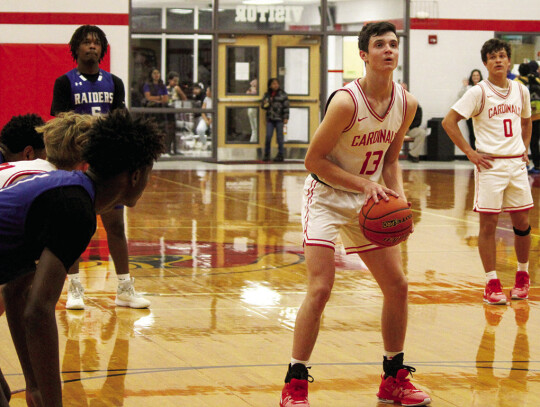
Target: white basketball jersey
column 496, row 115
column 9, row 172
column 362, row 146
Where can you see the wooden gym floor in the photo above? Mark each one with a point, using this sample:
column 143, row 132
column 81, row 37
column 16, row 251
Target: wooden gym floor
column 218, row 251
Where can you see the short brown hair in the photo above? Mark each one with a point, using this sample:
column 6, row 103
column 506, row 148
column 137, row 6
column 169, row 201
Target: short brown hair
column 373, row 30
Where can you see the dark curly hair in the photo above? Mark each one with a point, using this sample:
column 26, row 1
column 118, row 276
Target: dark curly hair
column 494, row 45
column 373, row 30
column 80, row 35
column 20, row 132
column 118, row 143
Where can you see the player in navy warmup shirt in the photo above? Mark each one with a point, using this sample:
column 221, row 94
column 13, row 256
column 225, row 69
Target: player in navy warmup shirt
column 51, row 217
column 91, row 90
column 87, row 88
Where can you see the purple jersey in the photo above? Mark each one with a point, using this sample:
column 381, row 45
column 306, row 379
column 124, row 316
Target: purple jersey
column 16, row 200
column 91, row 97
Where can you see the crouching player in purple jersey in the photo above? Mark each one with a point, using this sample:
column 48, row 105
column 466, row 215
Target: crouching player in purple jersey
column 51, row 217
column 501, row 113
column 357, row 144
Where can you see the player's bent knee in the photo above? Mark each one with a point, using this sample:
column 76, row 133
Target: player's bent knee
column 522, row 232
column 396, row 289
column 320, row 294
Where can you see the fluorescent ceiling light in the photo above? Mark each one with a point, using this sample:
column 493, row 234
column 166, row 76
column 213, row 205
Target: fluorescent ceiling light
column 181, row 10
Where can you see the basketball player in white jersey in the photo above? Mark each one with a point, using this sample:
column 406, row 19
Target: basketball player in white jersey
column 357, row 143
column 501, row 113
column 64, row 138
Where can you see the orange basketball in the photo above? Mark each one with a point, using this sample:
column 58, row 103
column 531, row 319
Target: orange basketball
column 386, row 223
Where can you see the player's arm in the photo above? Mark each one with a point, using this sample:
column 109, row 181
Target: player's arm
column 526, row 122
column 338, row 116
column 61, row 101
column 15, row 294
column 119, row 98
column 63, row 221
column 450, row 125
column 391, row 171
column 41, row 330
column 526, row 133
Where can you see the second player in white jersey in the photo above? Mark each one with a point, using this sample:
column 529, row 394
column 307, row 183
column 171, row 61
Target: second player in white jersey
column 361, row 147
column 496, row 114
column 15, row 171
column 501, row 114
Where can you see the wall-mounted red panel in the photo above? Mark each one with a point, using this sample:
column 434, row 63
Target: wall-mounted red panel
column 28, row 74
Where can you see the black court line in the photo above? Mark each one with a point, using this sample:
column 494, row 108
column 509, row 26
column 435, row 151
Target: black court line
column 124, row 372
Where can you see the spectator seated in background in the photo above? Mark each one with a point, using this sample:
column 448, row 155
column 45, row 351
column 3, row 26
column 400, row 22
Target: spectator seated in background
column 417, row 133
column 205, row 122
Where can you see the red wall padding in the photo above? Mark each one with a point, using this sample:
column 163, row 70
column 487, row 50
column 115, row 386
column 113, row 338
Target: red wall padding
column 27, row 77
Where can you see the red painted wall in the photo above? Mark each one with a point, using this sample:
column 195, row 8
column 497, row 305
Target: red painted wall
column 28, row 74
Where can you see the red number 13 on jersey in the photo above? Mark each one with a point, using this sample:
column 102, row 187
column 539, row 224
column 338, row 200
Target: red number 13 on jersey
column 373, row 159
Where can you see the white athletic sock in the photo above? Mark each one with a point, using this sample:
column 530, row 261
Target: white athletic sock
column 73, row 277
column 303, row 362
column 523, row 267
column 492, row 275
column 123, row 277
column 390, row 355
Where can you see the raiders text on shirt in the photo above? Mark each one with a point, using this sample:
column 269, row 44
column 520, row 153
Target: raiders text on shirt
column 93, row 97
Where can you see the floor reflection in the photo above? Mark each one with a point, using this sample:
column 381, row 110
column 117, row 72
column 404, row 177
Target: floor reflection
column 88, row 333
column 497, row 383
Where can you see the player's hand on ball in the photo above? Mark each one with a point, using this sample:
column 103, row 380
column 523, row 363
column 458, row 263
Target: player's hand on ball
column 375, row 191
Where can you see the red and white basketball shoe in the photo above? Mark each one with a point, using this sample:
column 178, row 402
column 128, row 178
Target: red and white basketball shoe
column 521, row 287
column 493, row 293
column 399, row 389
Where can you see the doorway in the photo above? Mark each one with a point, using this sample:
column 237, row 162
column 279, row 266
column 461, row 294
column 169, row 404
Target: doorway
column 246, row 64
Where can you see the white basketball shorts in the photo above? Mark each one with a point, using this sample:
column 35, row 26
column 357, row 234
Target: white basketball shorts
column 504, row 187
column 327, row 212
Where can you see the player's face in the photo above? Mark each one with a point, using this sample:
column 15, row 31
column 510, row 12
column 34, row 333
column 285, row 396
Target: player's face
column 139, row 180
column 89, row 49
column 383, row 52
column 497, row 63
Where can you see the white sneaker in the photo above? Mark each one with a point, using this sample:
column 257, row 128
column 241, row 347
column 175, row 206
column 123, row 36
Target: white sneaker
column 126, row 296
column 75, row 295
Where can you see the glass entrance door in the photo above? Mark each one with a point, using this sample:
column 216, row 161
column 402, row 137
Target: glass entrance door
column 246, row 64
